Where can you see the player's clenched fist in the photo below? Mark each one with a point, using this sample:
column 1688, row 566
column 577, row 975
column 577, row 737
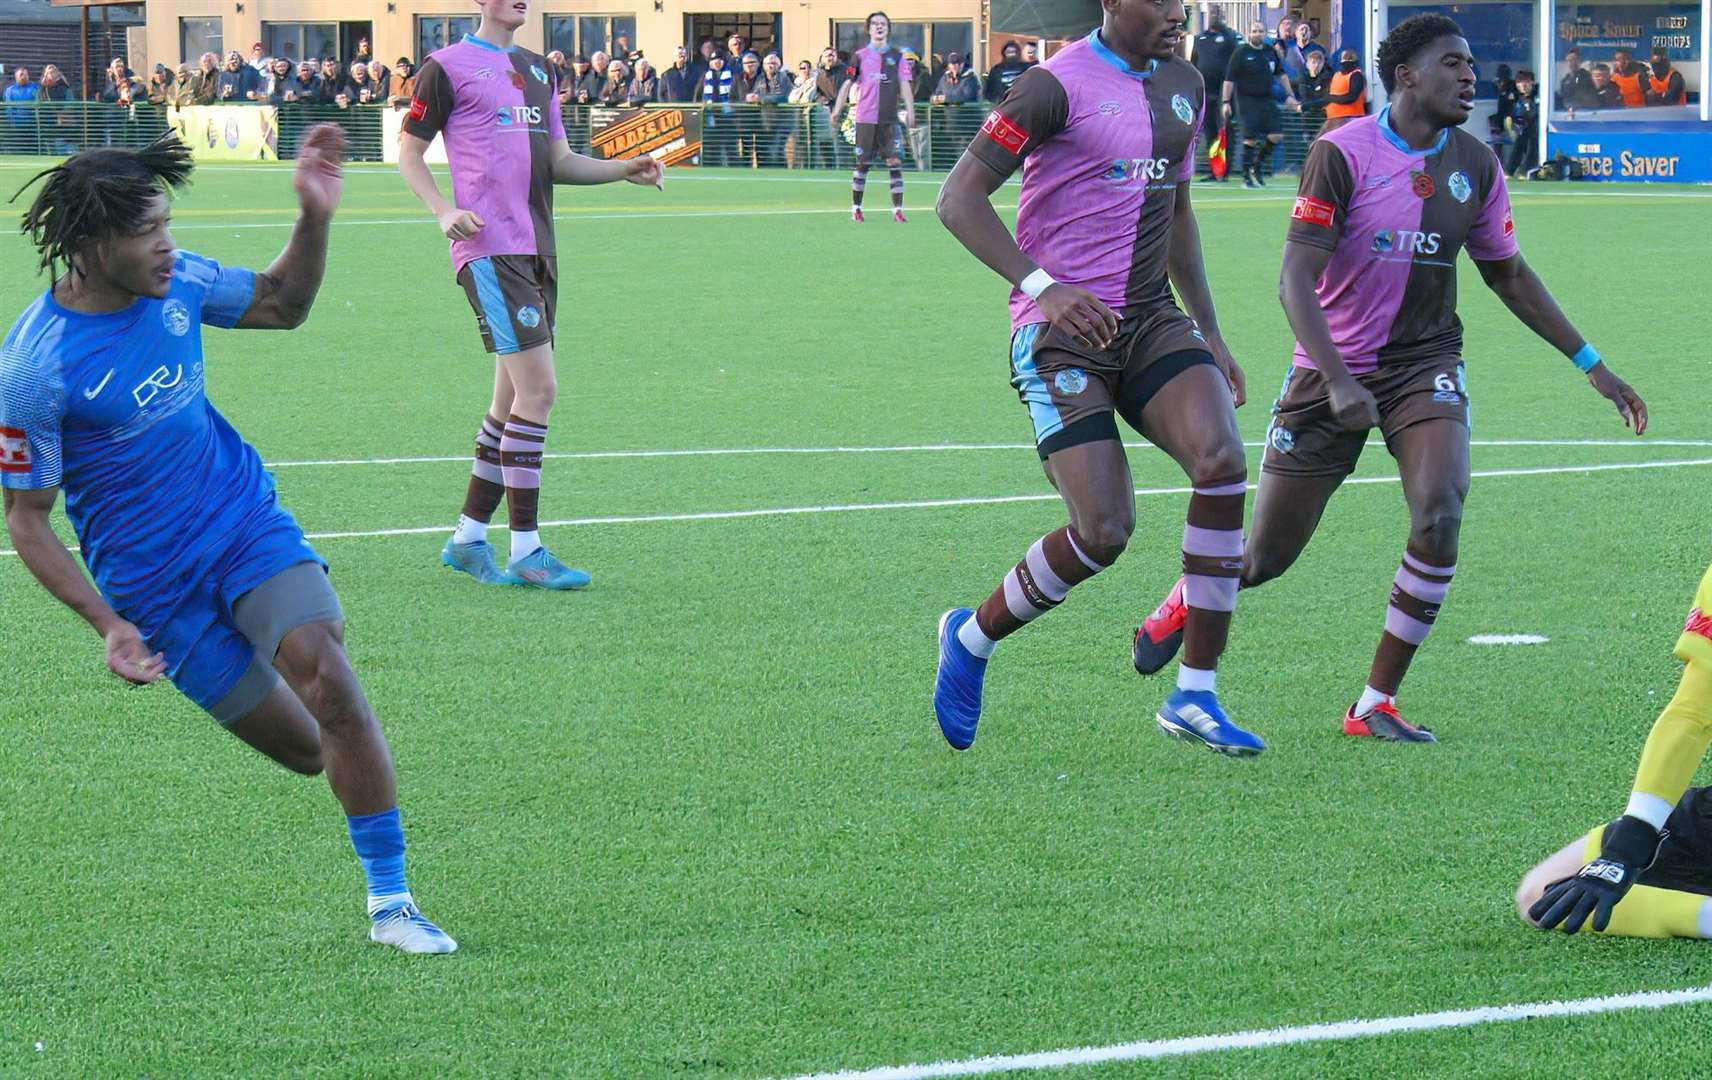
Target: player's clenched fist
column 460, row 224
column 1079, row 313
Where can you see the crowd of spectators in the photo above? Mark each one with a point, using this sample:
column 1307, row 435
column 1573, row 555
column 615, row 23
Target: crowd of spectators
column 1622, row 84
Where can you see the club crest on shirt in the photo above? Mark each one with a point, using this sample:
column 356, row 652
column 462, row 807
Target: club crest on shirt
column 1185, row 111
column 1071, row 381
column 1460, row 188
column 1282, row 439
column 540, row 75
column 529, row 316
column 1421, row 184
column 516, row 80
column 176, row 317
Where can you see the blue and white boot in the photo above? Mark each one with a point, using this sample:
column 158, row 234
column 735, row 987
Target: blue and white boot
column 406, row 929
column 1196, row 716
column 957, row 689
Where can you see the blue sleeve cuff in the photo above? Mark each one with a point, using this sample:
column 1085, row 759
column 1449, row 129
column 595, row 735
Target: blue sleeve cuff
column 1587, row 359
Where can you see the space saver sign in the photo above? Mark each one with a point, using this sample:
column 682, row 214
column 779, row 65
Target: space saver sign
column 673, row 136
column 1670, row 157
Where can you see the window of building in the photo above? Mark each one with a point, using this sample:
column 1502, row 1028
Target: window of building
column 614, row 35
column 924, row 39
column 198, row 36
column 301, row 41
column 759, row 29
column 1598, row 32
column 437, row 31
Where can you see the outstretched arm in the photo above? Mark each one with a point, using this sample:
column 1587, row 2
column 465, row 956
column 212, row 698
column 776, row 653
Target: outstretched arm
column 1527, row 297
column 285, row 291
column 570, row 167
column 1188, row 271
column 47, row 558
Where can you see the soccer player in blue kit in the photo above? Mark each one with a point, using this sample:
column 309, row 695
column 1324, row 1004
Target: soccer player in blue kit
column 200, row 574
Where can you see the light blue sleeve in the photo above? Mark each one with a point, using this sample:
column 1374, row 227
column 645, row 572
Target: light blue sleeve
column 225, row 291
column 32, row 407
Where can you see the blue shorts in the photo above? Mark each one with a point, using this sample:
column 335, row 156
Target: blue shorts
column 206, row 654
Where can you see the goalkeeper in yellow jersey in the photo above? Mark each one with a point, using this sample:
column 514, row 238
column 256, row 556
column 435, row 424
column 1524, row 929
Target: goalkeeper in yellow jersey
column 1649, row 873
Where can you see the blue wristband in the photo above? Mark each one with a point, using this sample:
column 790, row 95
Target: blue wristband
column 1587, row 359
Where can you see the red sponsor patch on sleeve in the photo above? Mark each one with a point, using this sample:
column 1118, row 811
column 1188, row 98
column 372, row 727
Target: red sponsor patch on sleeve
column 418, row 108
column 1699, row 623
column 1005, row 131
column 1313, row 211
column 1509, row 224
column 14, row 451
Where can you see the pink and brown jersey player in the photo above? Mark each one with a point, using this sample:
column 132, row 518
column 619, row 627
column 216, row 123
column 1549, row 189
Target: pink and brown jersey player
column 1104, row 133
column 495, row 106
column 880, row 76
column 1385, row 206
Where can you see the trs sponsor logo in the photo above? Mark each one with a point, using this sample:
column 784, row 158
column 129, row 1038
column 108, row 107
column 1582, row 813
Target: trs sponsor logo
column 14, row 451
column 1124, row 170
column 1405, row 242
column 519, row 114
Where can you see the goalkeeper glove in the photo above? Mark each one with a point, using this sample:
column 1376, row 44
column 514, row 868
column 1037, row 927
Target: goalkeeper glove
column 1629, row 849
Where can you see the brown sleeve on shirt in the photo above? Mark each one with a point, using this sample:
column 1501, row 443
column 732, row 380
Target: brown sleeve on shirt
column 431, row 104
column 1032, row 111
column 1322, row 200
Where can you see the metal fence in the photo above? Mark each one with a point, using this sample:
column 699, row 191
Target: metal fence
column 733, row 136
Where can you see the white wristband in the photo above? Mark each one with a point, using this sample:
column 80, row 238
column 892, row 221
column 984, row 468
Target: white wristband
column 1036, row 283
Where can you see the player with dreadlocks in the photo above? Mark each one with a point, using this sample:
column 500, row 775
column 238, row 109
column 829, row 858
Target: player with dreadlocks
column 200, row 574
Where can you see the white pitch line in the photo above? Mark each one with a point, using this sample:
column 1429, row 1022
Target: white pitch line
column 936, row 504
column 638, row 215
column 922, row 448
column 1154, row 1049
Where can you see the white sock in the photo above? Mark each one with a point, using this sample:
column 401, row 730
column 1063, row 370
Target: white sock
column 469, row 530
column 975, row 641
column 378, row 904
column 1370, row 698
column 1189, row 678
column 522, row 543
column 1649, row 808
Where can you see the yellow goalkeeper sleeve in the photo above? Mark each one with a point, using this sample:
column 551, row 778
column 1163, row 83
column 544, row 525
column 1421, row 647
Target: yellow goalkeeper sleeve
column 1650, row 912
column 1675, row 747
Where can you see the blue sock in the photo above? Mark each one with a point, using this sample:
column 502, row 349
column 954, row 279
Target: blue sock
column 379, row 840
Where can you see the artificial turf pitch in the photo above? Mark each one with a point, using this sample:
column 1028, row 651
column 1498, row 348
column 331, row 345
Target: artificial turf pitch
column 698, row 820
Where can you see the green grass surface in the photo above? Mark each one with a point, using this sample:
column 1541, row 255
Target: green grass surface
column 699, row 821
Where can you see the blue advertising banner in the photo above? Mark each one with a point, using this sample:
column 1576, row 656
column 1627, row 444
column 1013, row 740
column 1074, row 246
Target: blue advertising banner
column 1600, row 29
column 1616, row 154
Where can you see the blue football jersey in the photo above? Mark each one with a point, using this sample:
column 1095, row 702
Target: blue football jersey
column 111, row 409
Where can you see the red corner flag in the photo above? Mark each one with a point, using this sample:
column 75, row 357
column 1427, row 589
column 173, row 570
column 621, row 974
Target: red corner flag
column 1217, row 158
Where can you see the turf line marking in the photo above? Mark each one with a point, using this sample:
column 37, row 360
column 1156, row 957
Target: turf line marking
column 925, row 448
column 626, row 215
column 1154, row 1049
column 941, row 504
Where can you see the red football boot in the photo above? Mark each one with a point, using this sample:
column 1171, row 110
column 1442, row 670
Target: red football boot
column 1158, row 639
column 1384, row 722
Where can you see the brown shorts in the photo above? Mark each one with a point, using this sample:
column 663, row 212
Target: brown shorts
column 1305, row 440
column 1071, row 392
column 515, row 297
column 883, row 141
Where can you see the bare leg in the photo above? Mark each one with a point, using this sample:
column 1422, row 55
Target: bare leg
column 1287, row 510
column 282, row 728
column 359, row 763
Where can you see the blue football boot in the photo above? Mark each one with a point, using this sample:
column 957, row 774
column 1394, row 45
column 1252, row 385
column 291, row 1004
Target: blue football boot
column 1195, row 716
column 957, row 689
column 475, row 559
column 540, row 570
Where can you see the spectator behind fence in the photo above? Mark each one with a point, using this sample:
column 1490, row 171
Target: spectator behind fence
column 735, row 47
column 584, row 86
column 280, row 77
column 236, row 81
column 21, row 90
column 1630, row 78
column 304, row 87
column 364, row 53
column 1664, row 84
column 401, row 84
column 743, row 84
column 122, row 87
column 719, row 134
column 699, row 63
column 1005, row 72
column 362, row 90
column 617, row 85
column 260, row 62
column 805, row 91
column 770, row 89
column 644, row 85
column 559, row 68
column 1348, row 92
column 379, row 73
column 830, row 76
column 160, row 89
column 53, row 86
column 1296, row 52
column 678, row 82
column 716, row 84
column 184, row 88
column 1605, row 92
column 599, row 61
column 957, row 86
column 1525, row 125
column 331, row 84
column 1314, row 87
column 1576, row 90
column 204, row 81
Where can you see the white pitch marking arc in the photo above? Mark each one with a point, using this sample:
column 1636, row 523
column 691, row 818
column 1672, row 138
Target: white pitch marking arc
column 1154, row 1049
column 1508, row 639
column 922, row 448
column 940, row 504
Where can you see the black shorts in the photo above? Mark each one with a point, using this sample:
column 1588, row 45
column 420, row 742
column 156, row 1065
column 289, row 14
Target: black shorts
column 1258, row 116
column 884, row 141
column 1071, row 392
column 515, row 297
column 1304, row 439
column 1685, row 858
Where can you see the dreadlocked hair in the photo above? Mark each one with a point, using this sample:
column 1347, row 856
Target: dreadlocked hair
column 99, row 193
column 1407, row 39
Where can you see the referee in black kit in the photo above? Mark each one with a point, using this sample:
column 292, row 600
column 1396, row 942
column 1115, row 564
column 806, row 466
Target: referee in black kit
column 1254, row 68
